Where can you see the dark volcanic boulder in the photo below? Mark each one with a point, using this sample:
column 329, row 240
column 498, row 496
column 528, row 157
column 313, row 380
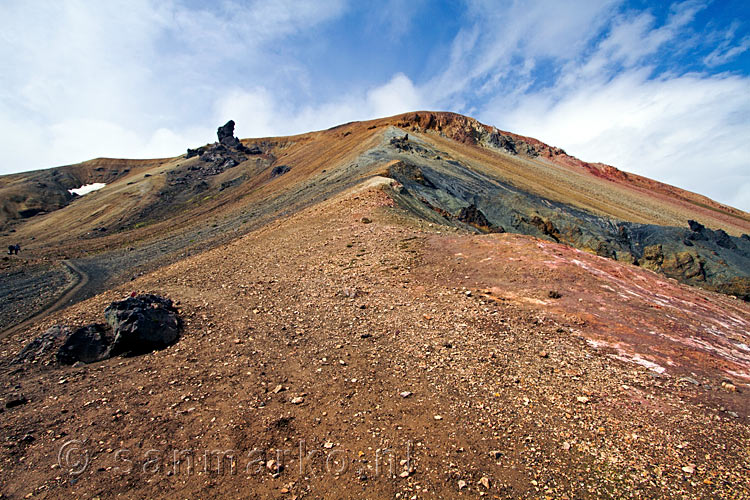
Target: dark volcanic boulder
column 723, row 240
column 142, row 324
column 280, row 170
column 87, row 344
column 226, row 133
column 696, row 226
column 226, row 137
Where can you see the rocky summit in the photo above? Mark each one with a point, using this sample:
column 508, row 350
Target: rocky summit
column 419, row 306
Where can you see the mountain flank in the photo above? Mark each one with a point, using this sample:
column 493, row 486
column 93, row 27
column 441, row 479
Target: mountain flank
column 415, row 306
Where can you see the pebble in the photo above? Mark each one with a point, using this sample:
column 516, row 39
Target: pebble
column 298, row 400
column 582, row 399
column 405, row 394
column 438, row 417
column 729, row 387
column 461, row 484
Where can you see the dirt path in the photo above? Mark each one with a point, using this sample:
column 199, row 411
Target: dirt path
column 80, row 280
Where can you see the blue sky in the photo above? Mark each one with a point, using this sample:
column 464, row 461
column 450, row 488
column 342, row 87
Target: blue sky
column 657, row 88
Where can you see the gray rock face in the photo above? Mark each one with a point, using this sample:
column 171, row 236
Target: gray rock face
column 437, row 190
column 142, row 324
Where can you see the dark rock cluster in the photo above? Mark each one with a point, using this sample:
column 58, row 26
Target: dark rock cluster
column 280, row 170
column 401, row 143
column 136, row 325
column 474, row 217
column 225, row 154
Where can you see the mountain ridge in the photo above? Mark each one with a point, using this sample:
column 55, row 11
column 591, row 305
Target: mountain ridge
column 353, row 293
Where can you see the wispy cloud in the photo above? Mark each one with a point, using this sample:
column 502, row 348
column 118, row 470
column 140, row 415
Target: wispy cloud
column 608, row 92
column 133, row 78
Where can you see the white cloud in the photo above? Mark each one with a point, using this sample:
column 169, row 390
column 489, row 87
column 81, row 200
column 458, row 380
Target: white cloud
column 397, row 96
column 608, row 102
column 684, row 130
column 259, row 113
column 502, row 43
column 131, row 78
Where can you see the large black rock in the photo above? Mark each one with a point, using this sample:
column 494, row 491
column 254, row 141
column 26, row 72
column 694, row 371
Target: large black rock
column 88, row 344
column 142, row 324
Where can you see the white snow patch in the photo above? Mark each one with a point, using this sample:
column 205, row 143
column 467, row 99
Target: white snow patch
column 86, row 188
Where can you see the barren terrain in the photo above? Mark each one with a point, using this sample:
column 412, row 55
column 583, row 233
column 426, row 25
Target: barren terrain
column 342, row 342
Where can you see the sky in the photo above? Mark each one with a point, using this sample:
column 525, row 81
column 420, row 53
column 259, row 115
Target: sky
column 656, row 88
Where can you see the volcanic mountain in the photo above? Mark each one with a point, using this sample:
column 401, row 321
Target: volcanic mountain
column 420, row 306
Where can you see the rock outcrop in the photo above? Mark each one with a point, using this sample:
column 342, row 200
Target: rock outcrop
column 227, row 138
column 142, row 324
column 227, row 153
column 136, row 325
column 280, row 170
column 474, row 217
column 87, row 344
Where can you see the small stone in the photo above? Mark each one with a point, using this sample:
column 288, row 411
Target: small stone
column 729, row 386
column 582, row 399
column 438, row 417
column 278, row 389
column 461, row 484
column 496, row 454
column 544, row 354
column 328, row 445
column 404, row 474
column 689, row 380
column 485, row 482
column 688, row 469
column 405, row 394
column 297, row 400
column 16, row 400
column 566, row 446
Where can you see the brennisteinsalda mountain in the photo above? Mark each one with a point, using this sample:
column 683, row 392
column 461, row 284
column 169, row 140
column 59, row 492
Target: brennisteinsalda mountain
column 420, row 306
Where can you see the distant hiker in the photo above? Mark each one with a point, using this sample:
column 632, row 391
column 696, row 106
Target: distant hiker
column 17, row 248
column 11, row 249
